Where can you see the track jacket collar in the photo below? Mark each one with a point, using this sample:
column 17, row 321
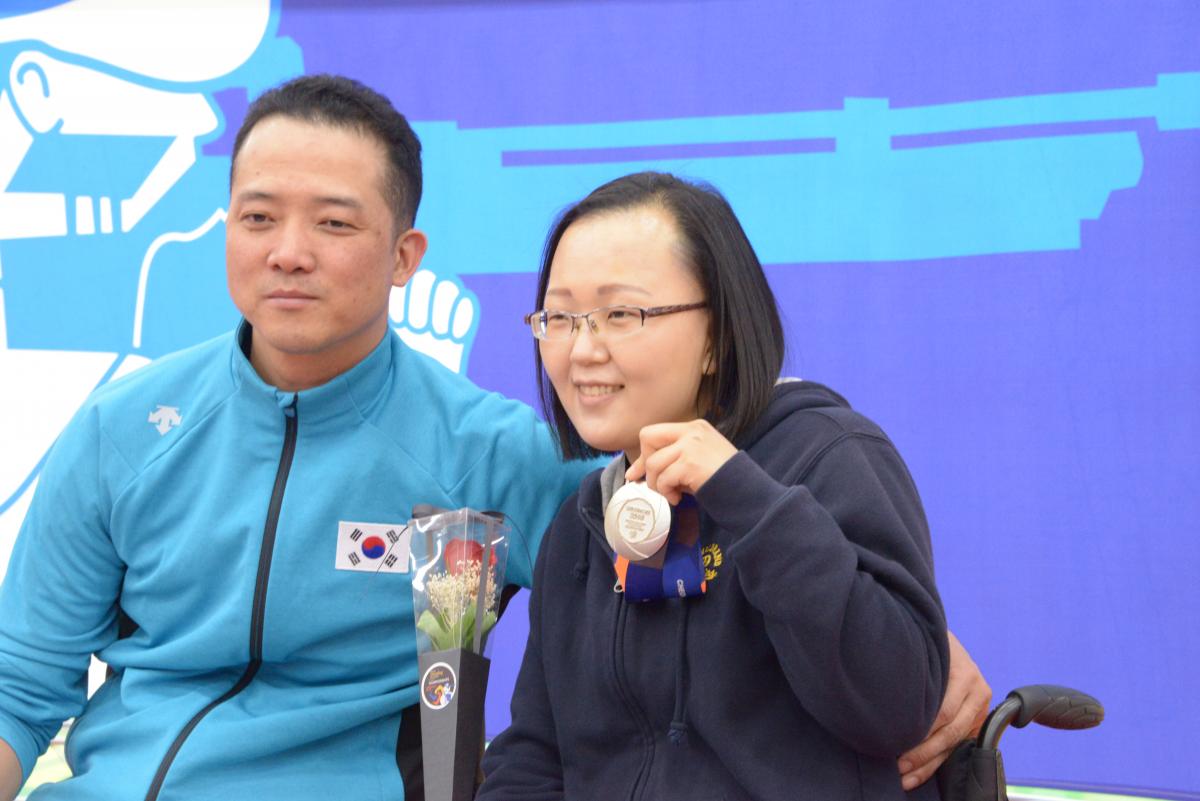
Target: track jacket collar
column 350, row 393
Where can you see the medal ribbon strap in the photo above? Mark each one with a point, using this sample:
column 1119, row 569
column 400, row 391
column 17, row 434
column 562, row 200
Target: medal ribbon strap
column 676, row 570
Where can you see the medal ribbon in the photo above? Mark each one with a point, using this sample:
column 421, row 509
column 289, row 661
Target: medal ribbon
column 676, row 570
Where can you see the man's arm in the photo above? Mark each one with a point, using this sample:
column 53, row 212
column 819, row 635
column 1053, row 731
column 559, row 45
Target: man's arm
column 964, row 707
column 522, row 475
column 56, row 612
column 10, row 773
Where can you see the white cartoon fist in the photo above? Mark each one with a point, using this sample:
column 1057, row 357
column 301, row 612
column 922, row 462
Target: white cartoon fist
column 435, row 316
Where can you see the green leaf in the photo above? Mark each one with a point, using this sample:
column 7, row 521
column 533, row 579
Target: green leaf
column 446, row 634
column 436, row 629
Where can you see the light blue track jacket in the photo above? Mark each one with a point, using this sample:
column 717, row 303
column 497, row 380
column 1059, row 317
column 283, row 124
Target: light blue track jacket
column 257, row 670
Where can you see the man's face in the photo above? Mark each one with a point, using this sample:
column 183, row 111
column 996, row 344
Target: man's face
column 312, row 249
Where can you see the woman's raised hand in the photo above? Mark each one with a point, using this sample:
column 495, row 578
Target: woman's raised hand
column 679, row 457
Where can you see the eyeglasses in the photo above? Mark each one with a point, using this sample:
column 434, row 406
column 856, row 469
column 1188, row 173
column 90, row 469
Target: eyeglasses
column 606, row 321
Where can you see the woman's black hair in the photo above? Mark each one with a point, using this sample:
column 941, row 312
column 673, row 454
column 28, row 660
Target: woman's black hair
column 744, row 326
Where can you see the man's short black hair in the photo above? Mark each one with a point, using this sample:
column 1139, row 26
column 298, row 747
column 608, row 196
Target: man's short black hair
column 345, row 103
column 744, row 325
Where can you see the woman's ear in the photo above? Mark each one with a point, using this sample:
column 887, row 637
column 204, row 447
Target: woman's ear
column 705, row 397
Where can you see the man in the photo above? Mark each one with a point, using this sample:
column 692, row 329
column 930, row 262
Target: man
column 256, row 659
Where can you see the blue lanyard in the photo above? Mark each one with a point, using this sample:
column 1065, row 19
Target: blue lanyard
column 676, row 571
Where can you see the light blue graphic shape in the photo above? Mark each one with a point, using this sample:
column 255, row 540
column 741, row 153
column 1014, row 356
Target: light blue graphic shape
column 81, row 291
column 15, row 8
column 867, row 200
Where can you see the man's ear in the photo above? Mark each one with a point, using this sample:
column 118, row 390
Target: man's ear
column 410, row 249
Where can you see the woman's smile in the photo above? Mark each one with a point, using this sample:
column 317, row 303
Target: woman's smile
column 597, row 392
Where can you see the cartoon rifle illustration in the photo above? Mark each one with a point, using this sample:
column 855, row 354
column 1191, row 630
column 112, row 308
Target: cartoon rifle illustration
column 866, row 182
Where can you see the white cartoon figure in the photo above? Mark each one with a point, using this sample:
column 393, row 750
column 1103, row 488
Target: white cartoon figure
column 105, row 106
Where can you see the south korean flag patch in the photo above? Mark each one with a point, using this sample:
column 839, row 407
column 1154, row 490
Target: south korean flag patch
column 372, row 547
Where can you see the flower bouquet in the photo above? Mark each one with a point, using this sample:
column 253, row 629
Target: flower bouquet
column 458, row 559
column 462, row 597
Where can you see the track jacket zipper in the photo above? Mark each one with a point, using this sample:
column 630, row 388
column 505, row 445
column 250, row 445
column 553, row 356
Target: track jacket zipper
column 259, row 608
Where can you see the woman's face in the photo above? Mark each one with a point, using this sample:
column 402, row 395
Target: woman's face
column 611, row 387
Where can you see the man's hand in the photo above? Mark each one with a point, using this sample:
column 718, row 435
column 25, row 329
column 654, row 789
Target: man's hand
column 10, row 773
column 679, row 457
column 964, row 708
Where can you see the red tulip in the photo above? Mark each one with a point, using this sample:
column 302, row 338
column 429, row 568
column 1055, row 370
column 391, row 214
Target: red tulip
column 459, row 552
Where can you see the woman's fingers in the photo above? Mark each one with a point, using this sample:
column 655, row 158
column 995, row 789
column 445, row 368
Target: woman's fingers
column 679, row 457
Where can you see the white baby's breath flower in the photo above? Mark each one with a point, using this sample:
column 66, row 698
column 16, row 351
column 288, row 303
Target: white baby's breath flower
column 450, row 594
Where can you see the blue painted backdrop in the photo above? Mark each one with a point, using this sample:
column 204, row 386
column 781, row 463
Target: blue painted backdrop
column 981, row 221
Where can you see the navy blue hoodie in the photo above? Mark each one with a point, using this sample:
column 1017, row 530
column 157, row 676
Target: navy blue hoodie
column 817, row 655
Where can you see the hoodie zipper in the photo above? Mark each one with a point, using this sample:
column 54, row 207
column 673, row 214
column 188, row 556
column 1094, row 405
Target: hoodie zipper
column 634, row 710
column 259, row 608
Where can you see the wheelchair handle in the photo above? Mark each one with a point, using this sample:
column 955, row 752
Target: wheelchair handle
column 1047, row 704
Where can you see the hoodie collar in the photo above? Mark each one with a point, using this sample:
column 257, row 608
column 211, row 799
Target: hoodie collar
column 591, row 504
column 349, row 393
column 789, row 396
column 612, row 478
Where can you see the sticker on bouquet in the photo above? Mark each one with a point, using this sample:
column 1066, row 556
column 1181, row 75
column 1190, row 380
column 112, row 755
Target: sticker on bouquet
column 437, row 686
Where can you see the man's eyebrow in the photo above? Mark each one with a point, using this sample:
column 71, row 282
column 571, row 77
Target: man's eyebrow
column 338, row 200
column 345, row 201
column 251, row 195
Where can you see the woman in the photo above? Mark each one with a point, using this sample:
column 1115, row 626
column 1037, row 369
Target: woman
column 811, row 650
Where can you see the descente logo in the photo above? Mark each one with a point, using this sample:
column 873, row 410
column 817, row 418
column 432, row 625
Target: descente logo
column 164, row 418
